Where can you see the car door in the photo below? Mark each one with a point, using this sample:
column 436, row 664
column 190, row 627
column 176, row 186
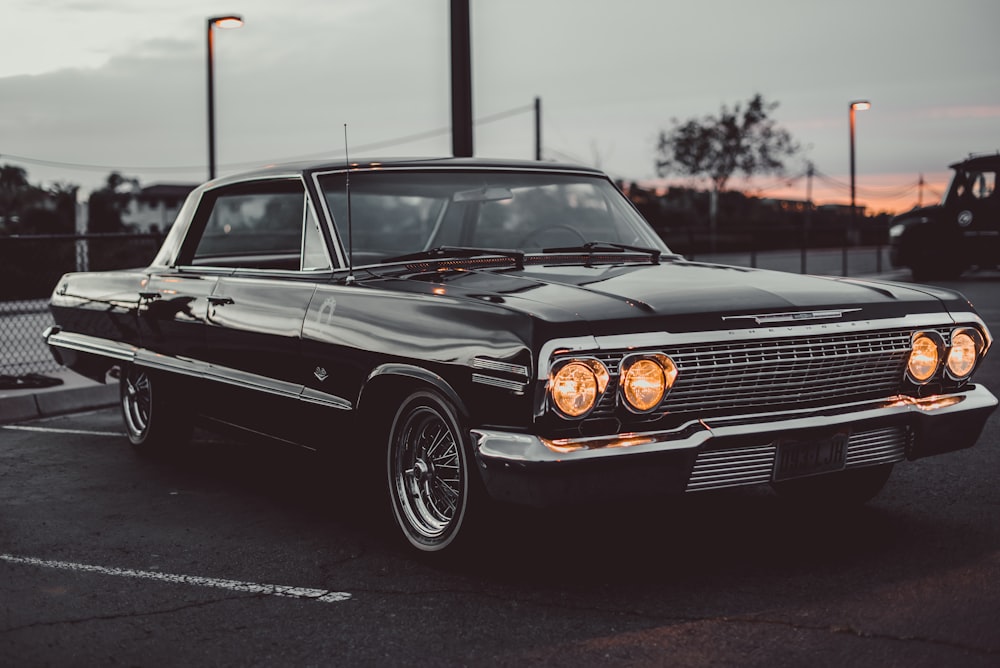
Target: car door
column 264, row 239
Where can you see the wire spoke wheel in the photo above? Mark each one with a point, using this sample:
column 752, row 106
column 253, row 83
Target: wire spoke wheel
column 136, row 395
column 428, row 472
column 156, row 413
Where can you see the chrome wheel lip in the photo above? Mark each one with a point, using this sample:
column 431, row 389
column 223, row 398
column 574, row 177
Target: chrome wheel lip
column 136, row 401
column 427, row 475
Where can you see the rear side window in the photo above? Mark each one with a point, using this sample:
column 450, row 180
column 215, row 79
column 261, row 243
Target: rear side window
column 263, row 225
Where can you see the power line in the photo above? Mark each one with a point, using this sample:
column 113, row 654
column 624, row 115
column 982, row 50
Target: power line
column 244, row 165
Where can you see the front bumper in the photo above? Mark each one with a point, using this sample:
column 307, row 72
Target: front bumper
column 721, row 452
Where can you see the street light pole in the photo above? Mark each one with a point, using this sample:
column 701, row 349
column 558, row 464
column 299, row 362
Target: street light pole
column 230, row 21
column 856, row 105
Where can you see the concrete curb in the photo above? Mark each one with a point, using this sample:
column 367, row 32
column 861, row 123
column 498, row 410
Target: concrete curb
column 19, row 405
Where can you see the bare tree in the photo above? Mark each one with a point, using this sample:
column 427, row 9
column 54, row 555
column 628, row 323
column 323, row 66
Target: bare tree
column 742, row 139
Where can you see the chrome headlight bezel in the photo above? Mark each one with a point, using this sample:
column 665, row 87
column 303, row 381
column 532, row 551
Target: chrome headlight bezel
column 663, row 371
column 922, row 344
column 978, row 345
column 572, row 371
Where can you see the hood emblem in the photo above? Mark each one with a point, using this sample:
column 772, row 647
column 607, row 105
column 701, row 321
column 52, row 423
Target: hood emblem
column 320, row 374
column 795, row 316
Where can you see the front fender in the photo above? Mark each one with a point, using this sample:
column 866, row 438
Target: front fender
column 410, row 372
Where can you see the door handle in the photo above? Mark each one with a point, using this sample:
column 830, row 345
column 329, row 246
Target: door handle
column 220, row 301
column 149, row 295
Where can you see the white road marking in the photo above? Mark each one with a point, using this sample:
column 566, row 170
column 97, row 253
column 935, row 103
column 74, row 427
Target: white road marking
column 322, row 595
column 53, row 430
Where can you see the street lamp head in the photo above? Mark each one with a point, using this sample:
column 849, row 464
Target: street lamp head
column 231, row 21
column 861, row 105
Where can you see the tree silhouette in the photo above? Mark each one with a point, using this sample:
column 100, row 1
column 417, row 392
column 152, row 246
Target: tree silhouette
column 742, row 139
column 107, row 204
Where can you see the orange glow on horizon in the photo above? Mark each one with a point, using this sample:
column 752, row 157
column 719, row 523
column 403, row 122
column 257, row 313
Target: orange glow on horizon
column 877, row 193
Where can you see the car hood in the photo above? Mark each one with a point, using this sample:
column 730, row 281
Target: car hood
column 681, row 295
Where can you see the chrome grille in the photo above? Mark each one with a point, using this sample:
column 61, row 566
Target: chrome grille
column 880, row 446
column 749, row 375
column 717, row 469
column 785, row 371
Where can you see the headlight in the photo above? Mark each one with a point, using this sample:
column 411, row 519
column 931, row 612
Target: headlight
column 575, row 386
column 645, row 381
column 925, row 356
column 966, row 344
column 896, row 231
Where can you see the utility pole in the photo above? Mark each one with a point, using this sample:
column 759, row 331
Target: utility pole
column 920, row 192
column 461, row 80
column 538, row 128
column 807, row 217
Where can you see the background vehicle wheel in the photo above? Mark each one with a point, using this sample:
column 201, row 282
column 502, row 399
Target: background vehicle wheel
column 853, row 487
column 433, row 488
column 155, row 414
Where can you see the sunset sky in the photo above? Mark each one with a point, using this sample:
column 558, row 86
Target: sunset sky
column 91, row 86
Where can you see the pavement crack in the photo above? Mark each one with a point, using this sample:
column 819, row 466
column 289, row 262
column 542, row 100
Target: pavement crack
column 859, row 633
column 125, row 615
column 842, row 629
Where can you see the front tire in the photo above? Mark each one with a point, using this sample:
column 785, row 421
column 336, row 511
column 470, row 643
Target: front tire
column 432, row 488
column 154, row 411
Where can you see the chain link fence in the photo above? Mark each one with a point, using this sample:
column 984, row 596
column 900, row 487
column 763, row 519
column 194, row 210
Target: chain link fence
column 30, row 267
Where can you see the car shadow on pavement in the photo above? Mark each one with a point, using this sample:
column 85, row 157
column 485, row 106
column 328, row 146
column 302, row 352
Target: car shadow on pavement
column 699, row 537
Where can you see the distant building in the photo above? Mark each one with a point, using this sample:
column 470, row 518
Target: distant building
column 154, row 208
column 843, row 209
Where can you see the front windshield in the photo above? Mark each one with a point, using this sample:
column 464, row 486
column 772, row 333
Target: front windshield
column 396, row 213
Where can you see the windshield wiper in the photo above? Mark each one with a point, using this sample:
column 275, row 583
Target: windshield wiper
column 592, row 247
column 449, row 252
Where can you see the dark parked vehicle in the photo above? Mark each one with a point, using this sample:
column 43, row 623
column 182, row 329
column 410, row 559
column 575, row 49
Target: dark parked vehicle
column 942, row 241
column 480, row 332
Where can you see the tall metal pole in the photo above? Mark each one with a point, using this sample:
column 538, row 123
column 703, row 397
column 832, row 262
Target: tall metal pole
column 211, row 104
column 538, row 128
column 212, row 22
column 853, row 107
column 461, row 80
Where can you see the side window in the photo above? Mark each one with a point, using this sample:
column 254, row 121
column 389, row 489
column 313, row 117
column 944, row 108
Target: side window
column 314, row 255
column 264, row 225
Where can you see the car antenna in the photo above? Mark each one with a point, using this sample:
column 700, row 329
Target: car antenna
column 350, row 228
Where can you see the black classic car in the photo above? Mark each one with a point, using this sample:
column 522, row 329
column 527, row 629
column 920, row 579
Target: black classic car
column 963, row 231
column 487, row 332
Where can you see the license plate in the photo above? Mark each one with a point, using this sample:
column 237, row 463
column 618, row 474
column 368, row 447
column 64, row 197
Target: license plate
column 802, row 458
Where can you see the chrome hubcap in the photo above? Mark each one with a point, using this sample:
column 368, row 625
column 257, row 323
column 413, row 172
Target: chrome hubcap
column 136, row 400
column 426, row 472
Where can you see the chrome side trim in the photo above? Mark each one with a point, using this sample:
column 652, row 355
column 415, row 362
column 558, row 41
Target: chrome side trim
column 192, row 368
column 502, row 383
column 93, row 345
column 496, row 365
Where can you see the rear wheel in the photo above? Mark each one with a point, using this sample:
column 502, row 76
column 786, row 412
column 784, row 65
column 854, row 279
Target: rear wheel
column 853, row 487
column 155, row 414
column 432, row 485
